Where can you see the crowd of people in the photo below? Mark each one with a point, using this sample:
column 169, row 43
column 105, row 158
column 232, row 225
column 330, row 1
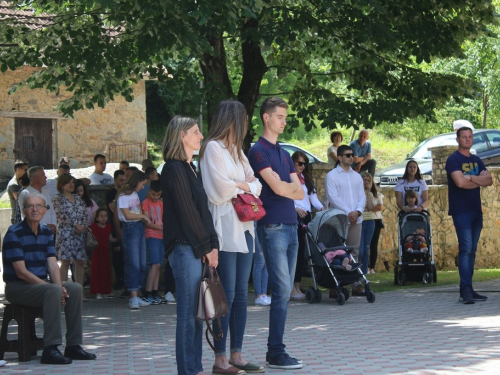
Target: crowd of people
column 186, row 215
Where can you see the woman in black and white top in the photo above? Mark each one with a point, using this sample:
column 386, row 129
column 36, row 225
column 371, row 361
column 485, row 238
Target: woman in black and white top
column 303, row 209
column 188, row 233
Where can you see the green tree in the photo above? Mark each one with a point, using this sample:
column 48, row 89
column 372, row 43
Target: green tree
column 356, row 62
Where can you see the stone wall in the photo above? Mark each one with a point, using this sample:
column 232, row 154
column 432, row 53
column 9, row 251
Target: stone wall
column 79, row 138
column 445, row 243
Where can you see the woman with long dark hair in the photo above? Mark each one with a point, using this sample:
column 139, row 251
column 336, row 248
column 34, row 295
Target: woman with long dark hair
column 303, row 208
column 90, row 204
column 226, row 172
column 188, row 233
column 412, row 180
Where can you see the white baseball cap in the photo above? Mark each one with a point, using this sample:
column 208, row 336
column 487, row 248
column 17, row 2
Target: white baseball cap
column 462, row 123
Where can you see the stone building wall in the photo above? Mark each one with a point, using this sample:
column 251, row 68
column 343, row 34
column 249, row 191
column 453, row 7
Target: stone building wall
column 79, row 138
column 445, row 242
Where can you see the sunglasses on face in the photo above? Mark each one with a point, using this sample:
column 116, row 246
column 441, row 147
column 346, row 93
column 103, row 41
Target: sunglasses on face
column 300, row 163
column 350, row 155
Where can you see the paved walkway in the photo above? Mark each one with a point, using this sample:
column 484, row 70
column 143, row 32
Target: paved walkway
column 418, row 331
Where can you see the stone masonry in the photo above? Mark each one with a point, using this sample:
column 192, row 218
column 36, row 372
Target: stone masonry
column 79, row 138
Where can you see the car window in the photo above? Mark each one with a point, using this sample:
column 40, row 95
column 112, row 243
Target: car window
column 479, row 144
column 291, row 150
column 421, row 152
column 494, row 138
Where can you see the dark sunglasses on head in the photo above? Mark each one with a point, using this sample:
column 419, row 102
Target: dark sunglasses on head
column 300, row 163
column 350, row 155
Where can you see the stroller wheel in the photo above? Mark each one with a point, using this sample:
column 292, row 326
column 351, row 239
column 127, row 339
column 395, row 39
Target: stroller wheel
column 310, row 295
column 401, row 278
column 318, row 296
column 345, row 292
column 427, row 278
column 370, row 296
column 340, row 298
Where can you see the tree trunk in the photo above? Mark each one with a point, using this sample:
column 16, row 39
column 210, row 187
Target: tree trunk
column 254, row 68
column 486, row 104
column 217, row 83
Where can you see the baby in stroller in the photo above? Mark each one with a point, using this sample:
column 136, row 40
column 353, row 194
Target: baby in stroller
column 416, row 242
column 339, row 258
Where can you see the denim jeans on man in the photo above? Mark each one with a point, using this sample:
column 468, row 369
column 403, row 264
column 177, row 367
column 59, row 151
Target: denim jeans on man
column 259, row 273
column 189, row 330
column 280, row 245
column 468, row 226
column 134, row 246
column 367, row 229
column 234, row 271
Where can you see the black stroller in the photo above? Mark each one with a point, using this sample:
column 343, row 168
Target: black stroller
column 330, row 228
column 415, row 251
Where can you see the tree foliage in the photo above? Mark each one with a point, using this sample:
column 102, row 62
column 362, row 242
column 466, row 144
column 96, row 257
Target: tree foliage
column 356, row 62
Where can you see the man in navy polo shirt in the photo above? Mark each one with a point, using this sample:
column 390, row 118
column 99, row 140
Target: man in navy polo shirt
column 277, row 231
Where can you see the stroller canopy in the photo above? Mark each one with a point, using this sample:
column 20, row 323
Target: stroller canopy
column 329, row 227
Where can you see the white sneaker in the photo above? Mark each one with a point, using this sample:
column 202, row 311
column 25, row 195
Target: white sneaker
column 98, row 296
column 2, row 363
column 263, row 301
column 169, row 297
column 133, row 303
column 268, row 298
column 143, row 302
column 373, row 272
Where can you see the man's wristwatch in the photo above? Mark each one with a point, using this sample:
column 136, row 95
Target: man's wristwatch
column 359, row 213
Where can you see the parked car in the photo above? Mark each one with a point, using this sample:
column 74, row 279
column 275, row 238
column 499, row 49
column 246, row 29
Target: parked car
column 486, row 146
column 290, row 148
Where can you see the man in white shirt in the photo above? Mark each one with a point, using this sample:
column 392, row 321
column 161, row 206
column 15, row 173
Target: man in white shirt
column 51, row 185
column 38, row 182
column 99, row 177
column 344, row 189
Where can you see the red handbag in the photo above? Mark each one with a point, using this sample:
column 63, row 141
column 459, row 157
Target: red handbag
column 248, row 207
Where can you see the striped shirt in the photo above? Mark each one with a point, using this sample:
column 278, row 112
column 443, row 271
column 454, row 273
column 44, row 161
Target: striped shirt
column 21, row 244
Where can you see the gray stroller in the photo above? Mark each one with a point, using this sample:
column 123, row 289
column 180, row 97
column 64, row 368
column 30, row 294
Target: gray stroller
column 330, row 228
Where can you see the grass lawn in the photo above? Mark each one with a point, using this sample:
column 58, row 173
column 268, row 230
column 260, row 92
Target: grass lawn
column 384, row 281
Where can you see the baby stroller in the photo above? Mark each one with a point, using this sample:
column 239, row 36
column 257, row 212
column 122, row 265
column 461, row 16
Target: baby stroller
column 415, row 252
column 330, row 228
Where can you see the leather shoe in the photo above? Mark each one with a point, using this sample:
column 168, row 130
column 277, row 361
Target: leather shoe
column 77, row 352
column 52, row 356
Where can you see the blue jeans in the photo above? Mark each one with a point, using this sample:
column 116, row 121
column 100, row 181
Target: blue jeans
column 134, row 251
column 468, row 226
column 259, row 274
column 234, row 271
column 189, row 330
column 279, row 244
column 367, row 229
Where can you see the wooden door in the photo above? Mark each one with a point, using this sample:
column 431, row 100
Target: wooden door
column 33, row 141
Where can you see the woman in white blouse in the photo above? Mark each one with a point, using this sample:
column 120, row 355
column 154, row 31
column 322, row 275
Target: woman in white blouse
column 225, row 173
column 303, row 209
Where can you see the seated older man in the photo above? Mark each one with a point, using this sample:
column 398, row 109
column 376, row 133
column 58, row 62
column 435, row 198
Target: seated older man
column 28, row 256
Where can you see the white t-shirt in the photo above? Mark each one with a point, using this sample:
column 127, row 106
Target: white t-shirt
column 101, row 179
column 328, row 152
column 131, row 202
column 417, row 186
